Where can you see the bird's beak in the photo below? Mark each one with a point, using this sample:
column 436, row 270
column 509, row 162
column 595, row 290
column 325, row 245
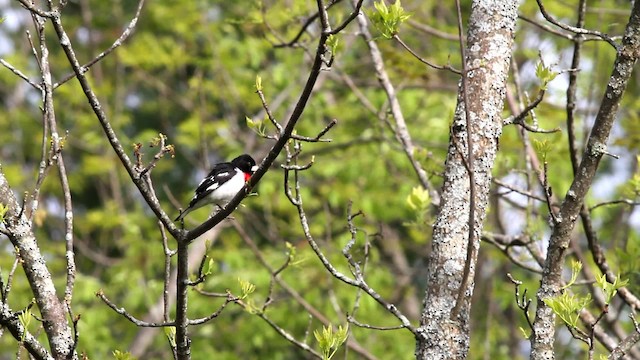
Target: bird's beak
column 254, row 168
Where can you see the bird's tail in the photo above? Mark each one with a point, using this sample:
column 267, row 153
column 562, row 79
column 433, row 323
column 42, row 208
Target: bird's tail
column 183, row 214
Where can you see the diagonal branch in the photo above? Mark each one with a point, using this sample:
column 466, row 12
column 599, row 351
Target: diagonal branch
column 401, row 130
column 542, row 340
column 283, row 138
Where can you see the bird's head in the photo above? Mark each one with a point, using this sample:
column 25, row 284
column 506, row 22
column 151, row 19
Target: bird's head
column 245, row 163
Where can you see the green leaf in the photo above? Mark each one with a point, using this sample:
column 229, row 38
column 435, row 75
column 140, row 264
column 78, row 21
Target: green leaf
column 246, row 288
column 332, row 43
column 576, row 266
column 25, row 319
column 329, row 341
column 545, row 74
column 258, row 83
column 119, row 355
column 3, row 211
column 542, row 148
column 608, row 289
column 258, row 126
column 419, row 199
column 208, row 267
column 387, row 20
column 170, row 333
column 568, row 306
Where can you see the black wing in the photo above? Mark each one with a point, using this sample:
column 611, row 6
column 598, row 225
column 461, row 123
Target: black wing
column 220, row 174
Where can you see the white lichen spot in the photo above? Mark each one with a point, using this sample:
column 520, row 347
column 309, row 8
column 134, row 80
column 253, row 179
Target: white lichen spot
column 64, row 40
column 597, row 149
column 451, row 267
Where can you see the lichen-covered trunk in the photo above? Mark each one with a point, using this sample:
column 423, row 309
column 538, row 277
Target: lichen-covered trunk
column 489, row 41
column 52, row 310
column 550, row 285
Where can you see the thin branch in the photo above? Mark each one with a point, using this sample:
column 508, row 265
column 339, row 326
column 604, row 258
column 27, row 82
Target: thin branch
column 57, row 156
column 519, row 191
column 401, row 131
column 147, row 194
column 470, row 160
column 168, row 253
column 6, row 289
column 359, row 281
column 432, row 31
column 284, row 333
column 310, row 20
column 615, row 202
column 230, row 298
column 123, row 37
column 130, row 317
column 355, row 322
column 628, row 342
column 424, row 61
column 351, row 17
column 576, row 30
column 522, row 301
column 20, row 74
column 519, row 119
column 317, row 138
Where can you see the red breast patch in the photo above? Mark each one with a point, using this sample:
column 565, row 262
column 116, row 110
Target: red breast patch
column 246, row 177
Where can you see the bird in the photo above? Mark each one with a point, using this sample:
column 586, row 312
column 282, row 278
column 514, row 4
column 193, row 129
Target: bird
column 222, row 183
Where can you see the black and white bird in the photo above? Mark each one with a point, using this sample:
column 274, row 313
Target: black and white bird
column 224, row 181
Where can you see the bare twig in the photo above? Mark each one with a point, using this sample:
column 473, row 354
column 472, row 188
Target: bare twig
column 230, row 298
column 310, row 20
column 576, row 30
column 355, row 322
column 424, row 61
column 515, row 189
column 470, row 160
column 123, row 37
column 615, row 202
column 519, row 119
column 359, row 281
column 522, row 301
column 130, row 317
column 20, row 74
column 401, row 131
column 285, row 334
column 627, row 342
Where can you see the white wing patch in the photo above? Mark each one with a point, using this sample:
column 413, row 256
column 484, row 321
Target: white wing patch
column 213, row 186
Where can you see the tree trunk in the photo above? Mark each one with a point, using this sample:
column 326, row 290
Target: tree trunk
column 52, row 310
column 442, row 334
column 551, row 282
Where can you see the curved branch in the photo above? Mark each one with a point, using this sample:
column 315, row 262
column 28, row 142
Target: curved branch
column 573, row 204
column 401, row 130
column 576, row 30
column 123, row 37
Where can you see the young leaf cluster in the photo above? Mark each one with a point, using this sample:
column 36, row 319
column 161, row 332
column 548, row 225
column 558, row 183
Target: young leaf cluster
column 387, row 19
column 329, row 341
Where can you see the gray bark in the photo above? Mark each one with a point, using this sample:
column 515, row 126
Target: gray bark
column 51, row 308
column 490, row 38
column 551, row 282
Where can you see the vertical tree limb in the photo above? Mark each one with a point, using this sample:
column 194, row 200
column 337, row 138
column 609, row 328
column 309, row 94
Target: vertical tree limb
column 51, row 308
column 489, row 40
column 551, row 282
